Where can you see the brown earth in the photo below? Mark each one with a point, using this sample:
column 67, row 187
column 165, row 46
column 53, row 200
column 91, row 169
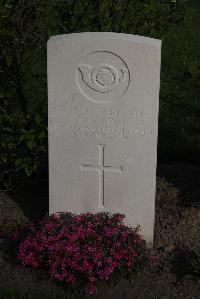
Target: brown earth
column 177, row 232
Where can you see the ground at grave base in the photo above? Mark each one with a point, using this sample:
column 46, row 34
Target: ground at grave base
column 177, row 231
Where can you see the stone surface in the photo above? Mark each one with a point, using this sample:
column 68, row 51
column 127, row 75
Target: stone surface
column 10, row 209
column 103, row 91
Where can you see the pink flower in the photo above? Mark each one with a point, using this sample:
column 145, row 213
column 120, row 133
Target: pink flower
column 15, row 235
column 56, row 215
column 71, row 278
column 117, row 256
column 90, row 290
column 119, row 217
column 78, row 218
column 81, row 248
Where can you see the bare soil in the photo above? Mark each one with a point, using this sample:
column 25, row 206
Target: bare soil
column 177, row 232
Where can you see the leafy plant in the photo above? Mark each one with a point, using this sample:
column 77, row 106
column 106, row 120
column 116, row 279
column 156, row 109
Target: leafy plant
column 179, row 102
column 23, row 113
column 194, row 263
column 23, row 148
column 83, row 250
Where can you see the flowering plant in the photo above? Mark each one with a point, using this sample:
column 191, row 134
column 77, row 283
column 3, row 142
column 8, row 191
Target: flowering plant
column 83, row 250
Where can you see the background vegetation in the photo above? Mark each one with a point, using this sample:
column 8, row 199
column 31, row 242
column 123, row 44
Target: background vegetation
column 26, row 25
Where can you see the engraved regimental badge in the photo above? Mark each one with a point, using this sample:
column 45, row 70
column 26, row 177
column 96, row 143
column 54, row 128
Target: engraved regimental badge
column 102, row 76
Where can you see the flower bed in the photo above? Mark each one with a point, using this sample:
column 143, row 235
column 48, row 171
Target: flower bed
column 82, row 250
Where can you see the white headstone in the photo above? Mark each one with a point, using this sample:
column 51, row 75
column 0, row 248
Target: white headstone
column 103, row 120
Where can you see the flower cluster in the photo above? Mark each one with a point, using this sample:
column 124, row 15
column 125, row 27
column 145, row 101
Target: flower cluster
column 84, row 249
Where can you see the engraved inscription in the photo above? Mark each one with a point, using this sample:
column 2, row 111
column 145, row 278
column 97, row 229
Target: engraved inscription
column 73, row 108
column 102, row 76
column 101, row 168
column 111, row 124
column 102, row 129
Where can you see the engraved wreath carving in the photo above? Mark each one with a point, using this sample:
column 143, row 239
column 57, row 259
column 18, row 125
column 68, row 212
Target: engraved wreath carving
column 103, row 77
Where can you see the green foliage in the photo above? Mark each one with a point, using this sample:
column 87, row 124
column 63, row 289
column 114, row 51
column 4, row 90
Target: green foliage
column 180, row 88
column 23, row 104
column 144, row 17
column 25, row 27
column 194, row 263
column 23, row 148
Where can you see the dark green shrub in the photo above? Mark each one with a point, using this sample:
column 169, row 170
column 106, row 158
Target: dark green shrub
column 194, row 263
column 23, row 148
column 179, row 124
column 23, row 113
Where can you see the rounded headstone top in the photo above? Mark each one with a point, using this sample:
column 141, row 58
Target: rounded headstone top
column 108, row 35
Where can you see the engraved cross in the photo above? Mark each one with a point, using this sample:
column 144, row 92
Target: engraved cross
column 101, row 168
